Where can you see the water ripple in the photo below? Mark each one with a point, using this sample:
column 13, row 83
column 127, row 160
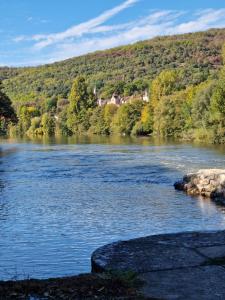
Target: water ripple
column 59, row 202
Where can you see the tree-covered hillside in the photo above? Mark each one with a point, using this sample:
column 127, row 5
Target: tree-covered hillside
column 184, row 74
column 128, row 69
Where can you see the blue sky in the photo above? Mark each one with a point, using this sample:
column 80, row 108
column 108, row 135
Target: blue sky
column 36, row 32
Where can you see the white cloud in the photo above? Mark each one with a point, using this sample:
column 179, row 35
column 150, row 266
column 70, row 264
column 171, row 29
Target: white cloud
column 205, row 19
column 19, row 38
column 81, row 29
column 95, row 34
column 155, row 24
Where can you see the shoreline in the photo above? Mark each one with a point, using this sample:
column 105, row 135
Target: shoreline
column 83, row 286
column 150, row 267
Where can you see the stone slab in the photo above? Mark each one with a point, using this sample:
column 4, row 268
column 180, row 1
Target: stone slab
column 198, row 283
column 144, row 257
column 158, row 252
column 213, row 252
column 192, row 239
column 173, row 266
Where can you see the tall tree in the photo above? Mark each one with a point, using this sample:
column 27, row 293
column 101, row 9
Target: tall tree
column 164, row 84
column 6, row 110
column 78, row 96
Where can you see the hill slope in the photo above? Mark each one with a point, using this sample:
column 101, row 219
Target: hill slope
column 197, row 54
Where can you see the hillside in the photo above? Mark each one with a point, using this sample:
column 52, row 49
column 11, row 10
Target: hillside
column 198, row 55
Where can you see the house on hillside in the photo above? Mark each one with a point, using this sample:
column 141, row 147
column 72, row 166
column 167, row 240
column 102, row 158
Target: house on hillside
column 145, row 97
column 116, row 99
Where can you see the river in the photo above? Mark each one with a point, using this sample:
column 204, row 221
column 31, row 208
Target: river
column 60, row 199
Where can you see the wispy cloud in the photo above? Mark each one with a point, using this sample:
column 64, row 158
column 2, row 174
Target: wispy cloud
column 202, row 21
column 96, row 34
column 81, row 29
column 29, row 19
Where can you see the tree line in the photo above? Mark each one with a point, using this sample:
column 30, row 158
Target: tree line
column 192, row 110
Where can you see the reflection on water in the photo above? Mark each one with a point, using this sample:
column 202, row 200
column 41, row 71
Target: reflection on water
column 62, row 198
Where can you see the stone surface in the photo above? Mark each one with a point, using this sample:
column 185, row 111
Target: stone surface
column 208, row 183
column 198, row 283
column 212, row 252
column 151, row 256
column 173, row 266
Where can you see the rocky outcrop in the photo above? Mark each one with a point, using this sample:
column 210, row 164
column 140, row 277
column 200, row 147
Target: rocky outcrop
column 207, row 183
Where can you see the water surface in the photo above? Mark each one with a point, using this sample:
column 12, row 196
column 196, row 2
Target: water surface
column 61, row 199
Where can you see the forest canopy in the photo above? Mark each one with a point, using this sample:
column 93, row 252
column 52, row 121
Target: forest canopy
column 183, row 75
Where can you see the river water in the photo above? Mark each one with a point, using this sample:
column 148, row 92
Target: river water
column 61, row 199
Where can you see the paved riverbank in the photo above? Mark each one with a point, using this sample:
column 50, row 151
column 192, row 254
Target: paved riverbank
column 174, row 266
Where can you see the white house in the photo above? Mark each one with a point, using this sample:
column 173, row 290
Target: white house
column 145, row 96
column 116, row 99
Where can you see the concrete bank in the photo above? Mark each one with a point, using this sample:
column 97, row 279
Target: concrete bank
column 173, row 266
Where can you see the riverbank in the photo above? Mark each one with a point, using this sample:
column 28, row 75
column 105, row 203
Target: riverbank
column 173, row 266
column 86, row 286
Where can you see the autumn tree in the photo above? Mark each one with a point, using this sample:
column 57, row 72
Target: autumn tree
column 164, row 84
column 78, row 95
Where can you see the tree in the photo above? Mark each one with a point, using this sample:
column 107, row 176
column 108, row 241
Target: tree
column 201, row 104
column 164, row 84
column 78, row 95
column 126, row 117
column 109, row 112
column 169, row 118
column 48, row 124
column 98, row 124
column 147, row 119
column 25, row 115
column 7, row 113
column 6, row 110
column 217, row 108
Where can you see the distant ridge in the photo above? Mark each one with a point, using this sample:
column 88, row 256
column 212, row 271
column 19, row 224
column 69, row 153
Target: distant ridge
column 198, row 55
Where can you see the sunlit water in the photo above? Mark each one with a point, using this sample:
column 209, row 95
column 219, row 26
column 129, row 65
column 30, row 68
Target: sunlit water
column 60, row 200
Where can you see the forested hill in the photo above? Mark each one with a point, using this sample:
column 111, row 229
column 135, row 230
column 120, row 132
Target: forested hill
column 198, row 55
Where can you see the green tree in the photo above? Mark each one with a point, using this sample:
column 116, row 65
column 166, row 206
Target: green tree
column 166, row 83
column 169, row 118
column 126, row 117
column 201, row 113
column 97, row 121
column 145, row 125
column 7, row 113
column 35, row 128
column 26, row 113
column 109, row 113
column 78, row 95
column 50, row 105
column 48, row 124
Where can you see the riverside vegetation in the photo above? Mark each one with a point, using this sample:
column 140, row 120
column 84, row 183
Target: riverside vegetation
column 184, row 74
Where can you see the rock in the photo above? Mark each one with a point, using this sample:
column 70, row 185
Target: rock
column 208, row 183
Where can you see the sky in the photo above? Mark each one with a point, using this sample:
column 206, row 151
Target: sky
column 34, row 32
